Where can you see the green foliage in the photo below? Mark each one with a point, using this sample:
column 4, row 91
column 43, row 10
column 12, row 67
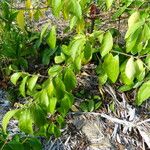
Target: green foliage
column 19, row 142
column 50, row 95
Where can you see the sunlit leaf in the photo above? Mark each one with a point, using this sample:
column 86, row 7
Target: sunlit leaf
column 25, row 121
column 14, row 78
column 143, row 93
column 22, row 86
column 111, row 67
column 107, row 44
column 21, row 20
column 32, row 82
column 130, row 68
column 51, row 39
column 7, row 117
column 52, row 105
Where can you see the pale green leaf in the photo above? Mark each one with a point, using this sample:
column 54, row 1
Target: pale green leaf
column 7, row 117
column 54, row 70
column 134, row 18
column 143, row 93
column 132, row 29
column 22, row 86
column 52, row 105
column 140, row 69
column 21, row 20
column 108, row 3
column 56, row 7
column 111, row 67
column 59, row 59
column 130, row 68
column 76, row 47
column 32, row 82
column 107, row 44
column 14, row 78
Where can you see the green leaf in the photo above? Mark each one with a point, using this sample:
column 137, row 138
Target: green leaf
column 44, row 99
column 22, row 86
column 134, row 18
column 108, row 3
column 76, row 47
column 38, row 115
column 20, row 19
column 107, row 44
column 25, row 121
column 14, row 78
column 51, row 39
column 132, row 40
column 59, row 87
column 125, row 88
column 130, row 68
column 84, row 106
column 102, row 78
column 143, row 93
column 34, row 143
column 66, row 103
column 111, row 67
column 32, row 82
column 7, row 117
column 43, row 31
column 13, row 145
column 73, row 22
column 119, row 12
column 91, row 105
column 70, row 80
column 140, row 70
column 54, row 70
column 52, row 105
column 75, row 8
column 145, row 33
column 133, row 28
column 59, row 59
column 56, row 7
column 87, row 52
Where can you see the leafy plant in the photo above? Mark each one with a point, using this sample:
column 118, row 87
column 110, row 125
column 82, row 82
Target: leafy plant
column 50, row 96
column 18, row 142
